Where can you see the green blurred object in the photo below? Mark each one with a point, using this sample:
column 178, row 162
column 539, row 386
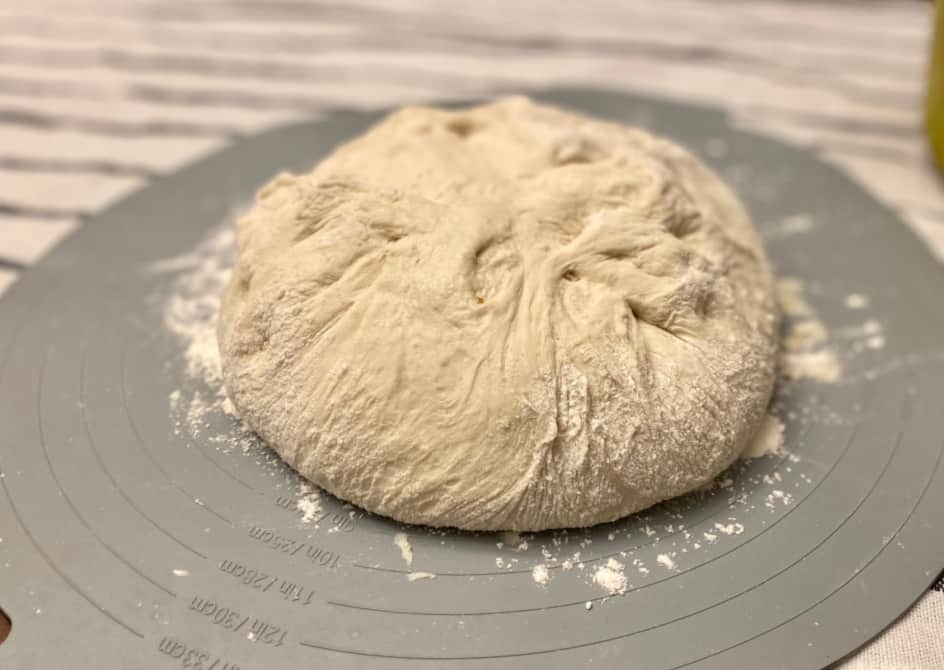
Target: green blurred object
column 934, row 113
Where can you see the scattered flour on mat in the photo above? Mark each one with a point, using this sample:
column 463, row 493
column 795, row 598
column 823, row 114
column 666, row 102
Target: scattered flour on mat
column 665, row 561
column 788, row 226
column 806, row 353
column 309, row 503
column 876, row 342
column 406, row 549
column 867, row 335
column 768, row 441
column 733, row 528
column 856, row 301
column 415, row 576
column 778, row 496
column 809, row 350
column 611, row 577
column 540, row 574
column 820, row 366
column 190, row 312
column 665, row 537
column 798, row 223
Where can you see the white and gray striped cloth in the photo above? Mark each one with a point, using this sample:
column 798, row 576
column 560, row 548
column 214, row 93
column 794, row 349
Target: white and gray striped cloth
column 97, row 98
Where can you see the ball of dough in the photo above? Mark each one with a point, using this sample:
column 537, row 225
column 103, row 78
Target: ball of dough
column 503, row 317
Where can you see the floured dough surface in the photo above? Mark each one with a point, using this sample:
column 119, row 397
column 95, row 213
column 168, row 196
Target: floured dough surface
column 504, row 317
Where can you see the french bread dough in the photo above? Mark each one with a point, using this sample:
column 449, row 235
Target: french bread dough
column 507, row 317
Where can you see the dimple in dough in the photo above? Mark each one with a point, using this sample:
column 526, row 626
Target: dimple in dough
column 504, row 317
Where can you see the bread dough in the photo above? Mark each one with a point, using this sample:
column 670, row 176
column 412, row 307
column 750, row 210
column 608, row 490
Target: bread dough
column 503, row 317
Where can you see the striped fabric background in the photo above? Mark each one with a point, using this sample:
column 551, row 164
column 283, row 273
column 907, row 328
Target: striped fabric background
column 99, row 97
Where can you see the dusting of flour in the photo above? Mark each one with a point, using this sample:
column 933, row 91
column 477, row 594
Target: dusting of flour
column 540, row 574
column 402, row 541
column 416, row 576
column 769, row 439
column 190, row 313
column 611, row 577
column 191, row 310
column 805, row 353
column 309, row 503
column 665, row 561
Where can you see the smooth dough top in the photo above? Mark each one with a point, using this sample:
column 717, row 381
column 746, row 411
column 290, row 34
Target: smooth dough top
column 504, row 317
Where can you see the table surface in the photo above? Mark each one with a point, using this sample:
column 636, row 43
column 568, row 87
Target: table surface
column 99, row 98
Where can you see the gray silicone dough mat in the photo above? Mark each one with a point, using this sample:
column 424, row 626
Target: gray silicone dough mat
column 129, row 544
